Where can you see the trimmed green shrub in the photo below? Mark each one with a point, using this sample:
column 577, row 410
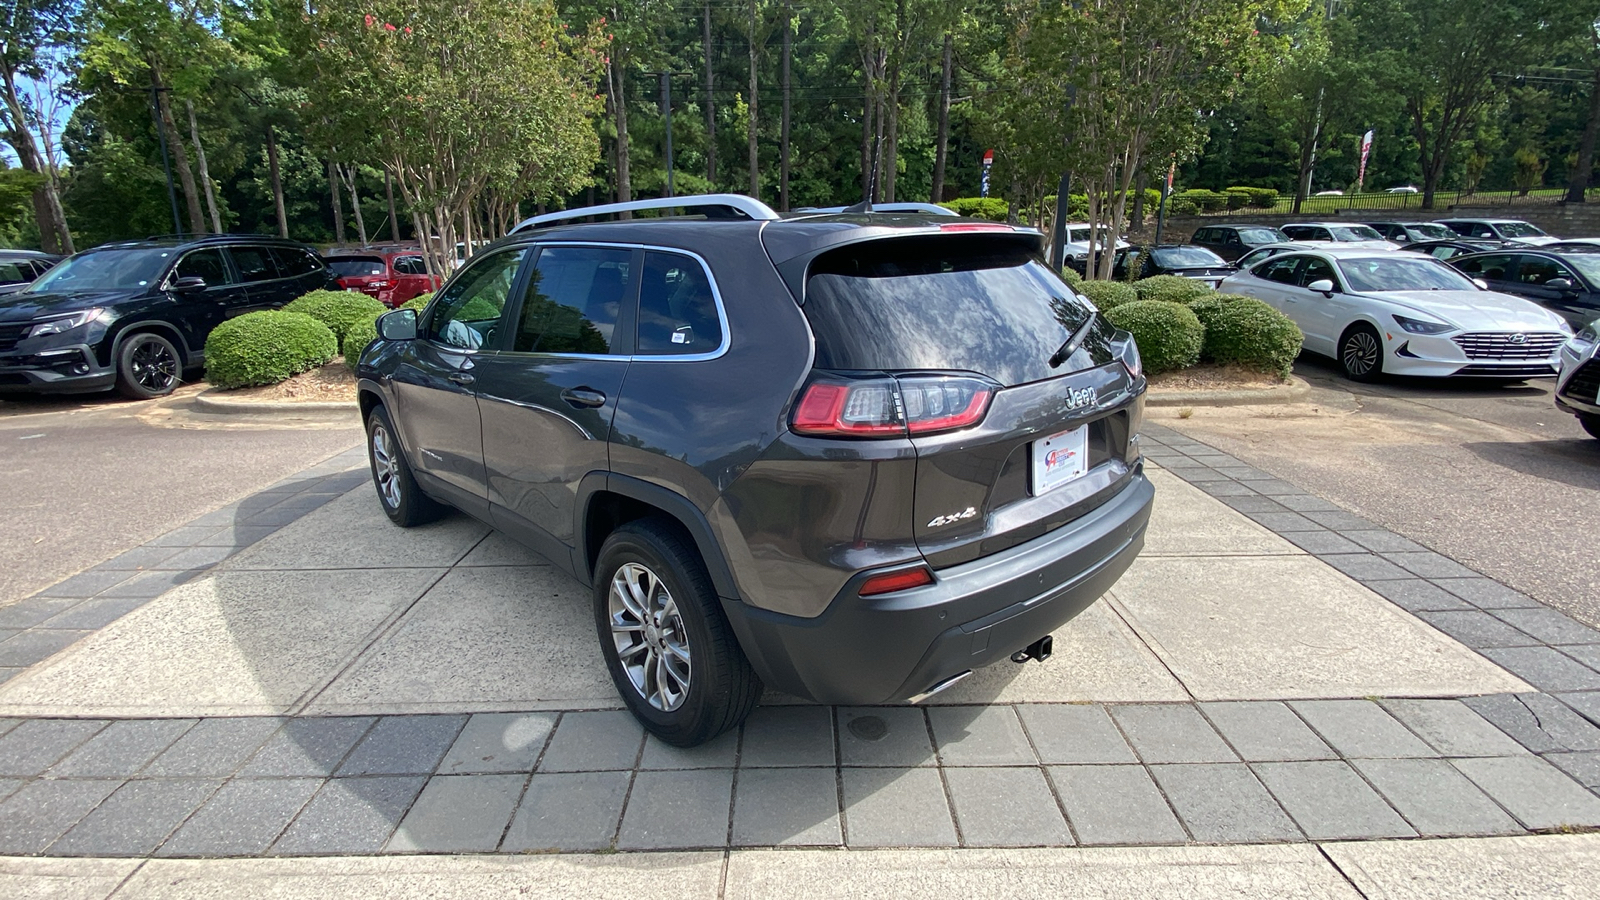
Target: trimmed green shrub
column 1071, row 276
column 417, row 302
column 356, row 340
column 1207, row 201
column 1168, row 334
column 1259, row 198
column 1170, row 288
column 994, row 209
column 338, row 309
column 1182, row 206
column 1107, row 294
column 1245, row 331
column 266, row 347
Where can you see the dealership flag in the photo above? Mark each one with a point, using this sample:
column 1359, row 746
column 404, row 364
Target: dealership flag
column 1366, row 149
column 988, row 160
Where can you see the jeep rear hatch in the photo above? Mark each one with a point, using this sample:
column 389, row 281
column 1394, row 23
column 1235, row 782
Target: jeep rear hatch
column 1013, row 390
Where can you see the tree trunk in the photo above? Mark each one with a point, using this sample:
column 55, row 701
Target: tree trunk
column 1578, row 183
column 394, row 218
column 205, row 173
column 891, row 154
column 338, row 205
column 868, row 109
column 277, row 182
column 1138, row 201
column 755, row 109
column 617, row 84
column 711, row 102
column 180, row 156
column 348, row 175
column 941, row 148
column 1308, row 156
column 54, row 236
column 783, row 137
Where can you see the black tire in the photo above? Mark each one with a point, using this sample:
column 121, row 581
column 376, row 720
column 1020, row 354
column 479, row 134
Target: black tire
column 1590, row 424
column 403, row 502
column 148, row 366
column 1361, row 353
column 721, row 687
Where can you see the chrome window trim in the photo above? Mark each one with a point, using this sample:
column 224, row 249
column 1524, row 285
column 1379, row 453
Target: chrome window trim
column 716, row 295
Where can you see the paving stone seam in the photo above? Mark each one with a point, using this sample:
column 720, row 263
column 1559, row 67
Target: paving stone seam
column 1049, row 783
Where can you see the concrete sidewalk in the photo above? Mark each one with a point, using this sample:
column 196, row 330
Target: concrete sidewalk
column 292, row 676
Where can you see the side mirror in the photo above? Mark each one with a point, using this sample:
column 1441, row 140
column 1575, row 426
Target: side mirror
column 188, row 285
column 1560, row 284
column 398, row 325
column 1322, row 286
column 1482, row 285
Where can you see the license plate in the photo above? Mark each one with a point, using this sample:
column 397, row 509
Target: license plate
column 1060, row 458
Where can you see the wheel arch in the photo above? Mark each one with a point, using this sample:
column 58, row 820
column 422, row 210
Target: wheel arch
column 607, row 501
column 149, row 326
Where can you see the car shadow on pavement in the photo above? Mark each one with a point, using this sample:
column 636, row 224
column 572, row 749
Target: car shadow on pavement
column 1573, row 461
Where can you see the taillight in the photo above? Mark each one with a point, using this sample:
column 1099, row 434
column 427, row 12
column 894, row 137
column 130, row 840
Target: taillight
column 891, row 406
column 896, row 581
column 976, row 226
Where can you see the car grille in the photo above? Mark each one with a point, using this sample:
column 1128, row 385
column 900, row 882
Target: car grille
column 1584, row 384
column 10, row 335
column 1503, row 345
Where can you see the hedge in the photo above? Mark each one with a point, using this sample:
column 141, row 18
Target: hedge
column 1182, row 206
column 1207, row 201
column 1107, row 294
column 417, row 302
column 1258, row 198
column 1247, row 332
column 266, row 347
column 338, row 309
column 994, row 209
column 1169, row 335
column 356, row 340
column 1170, row 288
column 1071, row 276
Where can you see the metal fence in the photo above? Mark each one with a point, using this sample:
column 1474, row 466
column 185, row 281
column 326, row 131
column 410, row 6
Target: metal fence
column 1442, row 201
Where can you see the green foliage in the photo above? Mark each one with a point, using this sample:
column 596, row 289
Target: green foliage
column 266, row 347
column 1206, row 201
column 992, row 208
column 1108, row 294
column 1529, row 169
column 1169, row 335
column 1170, row 288
column 1071, row 276
column 1255, row 197
column 417, row 302
column 1247, row 332
column 356, row 340
column 338, row 310
column 1182, row 206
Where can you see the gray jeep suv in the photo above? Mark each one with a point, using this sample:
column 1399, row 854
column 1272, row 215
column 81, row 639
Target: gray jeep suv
column 849, row 456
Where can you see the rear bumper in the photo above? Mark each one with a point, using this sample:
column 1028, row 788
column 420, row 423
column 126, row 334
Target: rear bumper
column 890, row 648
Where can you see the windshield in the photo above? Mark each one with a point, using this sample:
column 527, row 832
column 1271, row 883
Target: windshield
column 105, row 270
column 985, row 306
column 1430, row 232
column 1587, row 264
column 1354, row 233
column 1394, row 274
column 1185, row 257
column 356, row 266
column 1520, row 230
column 1261, row 235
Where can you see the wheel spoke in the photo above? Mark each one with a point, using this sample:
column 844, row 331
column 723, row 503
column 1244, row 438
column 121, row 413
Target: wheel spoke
column 648, row 635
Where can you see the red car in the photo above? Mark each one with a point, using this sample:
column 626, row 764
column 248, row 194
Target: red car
column 392, row 276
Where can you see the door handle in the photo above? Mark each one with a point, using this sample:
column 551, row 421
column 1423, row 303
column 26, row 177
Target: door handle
column 462, row 378
column 583, row 397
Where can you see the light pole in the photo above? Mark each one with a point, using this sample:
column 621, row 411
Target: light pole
column 166, row 161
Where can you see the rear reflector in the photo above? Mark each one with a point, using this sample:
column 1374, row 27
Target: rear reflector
column 891, row 406
column 896, row 581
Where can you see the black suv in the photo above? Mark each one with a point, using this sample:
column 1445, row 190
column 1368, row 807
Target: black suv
column 851, row 456
column 1233, row 241
column 134, row 315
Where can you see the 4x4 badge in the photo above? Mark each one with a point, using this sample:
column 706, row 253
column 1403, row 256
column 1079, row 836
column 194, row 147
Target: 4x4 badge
column 1080, row 397
column 967, row 513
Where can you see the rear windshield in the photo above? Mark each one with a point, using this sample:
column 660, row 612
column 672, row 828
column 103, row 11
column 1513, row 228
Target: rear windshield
column 1186, row 257
column 1260, row 235
column 1430, row 231
column 967, row 303
column 1355, row 233
column 356, row 266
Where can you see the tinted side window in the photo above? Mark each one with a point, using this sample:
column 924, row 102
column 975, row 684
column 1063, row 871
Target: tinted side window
column 294, row 261
column 1316, row 270
column 15, row 272
column 574, row 298
column 677, row 309
column 1280, row 270
column 1203, row 236
column 1537, row 270
column 207, row 264
column 410, row 265
column 1493, row 268
column 466, row 313
column 255, row 263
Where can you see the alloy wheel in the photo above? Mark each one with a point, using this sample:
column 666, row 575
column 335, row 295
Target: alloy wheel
column 1360, row 354
column 651, row 640
column 154, row 367
column 385, row 467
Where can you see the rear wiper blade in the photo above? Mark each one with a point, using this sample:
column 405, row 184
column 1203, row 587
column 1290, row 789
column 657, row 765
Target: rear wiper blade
column 1066, row 350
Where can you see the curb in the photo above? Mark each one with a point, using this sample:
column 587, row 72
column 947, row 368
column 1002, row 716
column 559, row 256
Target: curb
column 206, row 402
column 1296, row 390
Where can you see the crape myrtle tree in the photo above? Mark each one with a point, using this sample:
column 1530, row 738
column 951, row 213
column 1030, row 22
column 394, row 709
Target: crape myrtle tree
column 471, row 106
column 1108, row 86
column 31, row 32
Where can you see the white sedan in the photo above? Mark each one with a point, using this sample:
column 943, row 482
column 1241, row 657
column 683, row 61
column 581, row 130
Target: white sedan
column 1381, row 313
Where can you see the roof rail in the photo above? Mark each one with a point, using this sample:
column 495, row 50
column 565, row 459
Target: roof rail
column 930, row 208
column 715, row 206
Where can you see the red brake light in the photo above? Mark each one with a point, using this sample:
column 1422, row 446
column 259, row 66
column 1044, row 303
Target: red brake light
column 892, row 407
column 976, row 226
column 896, row 581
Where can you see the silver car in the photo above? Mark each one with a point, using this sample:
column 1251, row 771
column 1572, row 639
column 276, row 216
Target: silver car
column 1578, row 378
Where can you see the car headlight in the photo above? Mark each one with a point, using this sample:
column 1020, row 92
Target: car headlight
column 1420, row 326
column 1589, row 333
column 64, row 323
